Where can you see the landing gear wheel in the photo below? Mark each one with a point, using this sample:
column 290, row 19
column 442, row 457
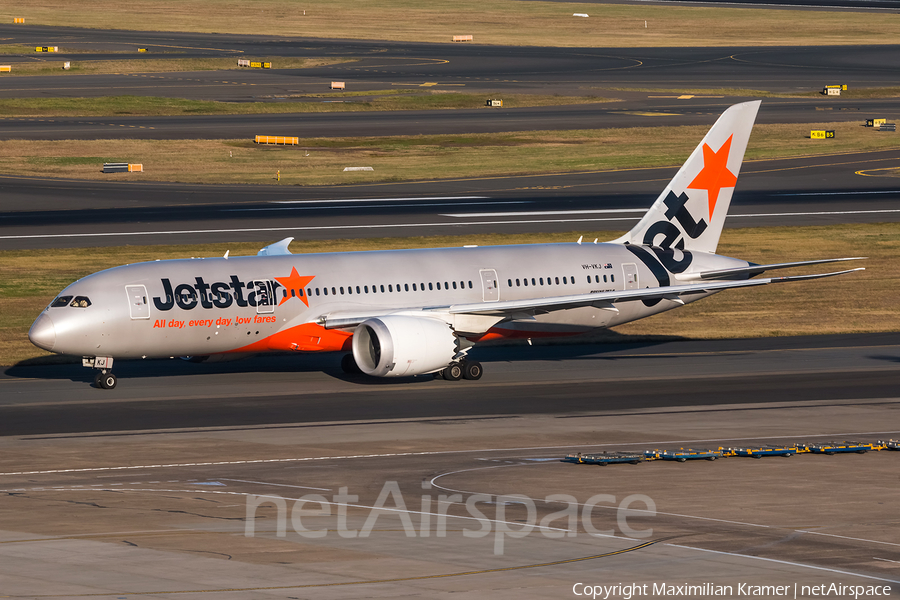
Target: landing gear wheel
column 108, row 381
column 349, row 366
column 97, row 378
column 472, row 370
column 453, row 372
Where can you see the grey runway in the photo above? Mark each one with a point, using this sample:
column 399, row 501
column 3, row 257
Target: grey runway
column 558, row 380
column 42, row 213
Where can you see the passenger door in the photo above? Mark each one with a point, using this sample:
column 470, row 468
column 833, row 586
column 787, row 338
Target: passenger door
column 137, row 301
column 264, row 292
column 629, row 270
column 490, row 285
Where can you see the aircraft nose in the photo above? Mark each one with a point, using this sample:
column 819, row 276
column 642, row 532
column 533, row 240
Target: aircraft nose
column 43, row 333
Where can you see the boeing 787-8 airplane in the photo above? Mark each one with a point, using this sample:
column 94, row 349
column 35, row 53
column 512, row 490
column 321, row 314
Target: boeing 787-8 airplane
column 408, row 312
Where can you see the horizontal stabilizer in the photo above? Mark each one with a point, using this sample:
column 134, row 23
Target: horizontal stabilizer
column 753, row 270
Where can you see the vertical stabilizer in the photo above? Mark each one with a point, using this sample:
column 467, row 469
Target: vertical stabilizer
column 691, row 211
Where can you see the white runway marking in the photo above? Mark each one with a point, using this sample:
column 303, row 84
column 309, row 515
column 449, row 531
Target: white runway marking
column 440, row 452
column 850, row 193
column 785, row 562
column 821, row 213
column 302, row 487
column 314, row 206
column 408, row 225
column 379, row 200
column 656, row 512
column 845, row 537
column 607, row 211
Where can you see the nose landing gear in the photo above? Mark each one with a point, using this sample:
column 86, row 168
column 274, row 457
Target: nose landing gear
column 105, row 379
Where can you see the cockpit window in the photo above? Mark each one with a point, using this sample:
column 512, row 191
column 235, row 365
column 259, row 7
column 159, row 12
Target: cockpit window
column 81, row 302
column 61, row 301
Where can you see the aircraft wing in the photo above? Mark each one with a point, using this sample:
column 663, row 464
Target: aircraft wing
column 607, row 300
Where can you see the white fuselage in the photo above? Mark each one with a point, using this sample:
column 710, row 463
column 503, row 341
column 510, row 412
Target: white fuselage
column 271, row 303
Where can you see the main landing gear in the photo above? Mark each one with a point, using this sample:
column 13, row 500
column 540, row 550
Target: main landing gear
column 105, row 380
column 465, row 369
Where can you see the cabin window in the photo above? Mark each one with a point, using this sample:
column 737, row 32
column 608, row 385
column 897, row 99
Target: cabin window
column 317, row 291
column 333, row 292
column 431, row 286
column 564, row 280
column 382, row 289
column 293, row 293
column 446, row 286
column 541, row 280
column 532, row 281
column 325, row 290
column 422, row 286
column 61, row 301
column 508, row 281
column 415, row 289
column 470, row 284
column 300, row 291
column 604, row 279
column 342, row 290
column 526, row 282
column 309, row 291
column 454, row 284
column 612, row 278
column 557, row 280
column 406, row 286
column 517, row 283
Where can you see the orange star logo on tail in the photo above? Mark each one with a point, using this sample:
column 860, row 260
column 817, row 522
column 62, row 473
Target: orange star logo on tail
column 295, row 283
column 715, row 174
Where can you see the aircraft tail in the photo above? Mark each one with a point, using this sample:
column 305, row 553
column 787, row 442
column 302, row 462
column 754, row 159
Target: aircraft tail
column 691, row 211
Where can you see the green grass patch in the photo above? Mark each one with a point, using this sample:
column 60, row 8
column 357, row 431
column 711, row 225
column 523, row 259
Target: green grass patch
column 393, row 92
column 32, row 278
column 160, row 106
column 16, row 49
column 52, row 64
column 320, row 161
column 738, row 92
column 499, row 22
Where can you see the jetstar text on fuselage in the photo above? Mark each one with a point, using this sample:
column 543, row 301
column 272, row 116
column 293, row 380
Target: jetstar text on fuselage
column 219, row 294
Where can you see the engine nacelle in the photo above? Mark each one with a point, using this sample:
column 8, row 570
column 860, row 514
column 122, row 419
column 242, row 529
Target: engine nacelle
column 400, row 346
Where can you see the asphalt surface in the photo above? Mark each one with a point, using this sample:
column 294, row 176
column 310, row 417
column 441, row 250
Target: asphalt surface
column 41, row 213
column 146, row 488
column 643, row 112
column 382, row 65
column 557, row 380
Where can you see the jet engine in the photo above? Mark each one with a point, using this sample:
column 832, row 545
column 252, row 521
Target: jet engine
column 400, row 346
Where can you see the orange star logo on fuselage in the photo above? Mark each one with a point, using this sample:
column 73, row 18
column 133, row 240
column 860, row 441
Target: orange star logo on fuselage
column 296, row 284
